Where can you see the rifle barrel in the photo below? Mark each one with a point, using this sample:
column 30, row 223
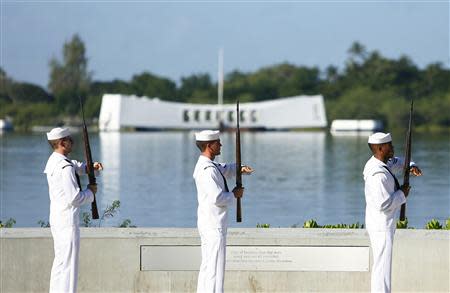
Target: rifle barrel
column 89, row 163
column 238, row 164
column 406, row 168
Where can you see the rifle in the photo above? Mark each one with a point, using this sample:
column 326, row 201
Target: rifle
column 406, row 168
column 89, row 163
column 238, row 164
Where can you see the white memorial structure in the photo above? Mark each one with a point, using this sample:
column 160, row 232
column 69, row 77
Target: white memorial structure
column 141, row 113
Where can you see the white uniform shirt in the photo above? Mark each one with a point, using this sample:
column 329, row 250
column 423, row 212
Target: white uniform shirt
column 213, row 199
column 65, row 194
column 382, row 200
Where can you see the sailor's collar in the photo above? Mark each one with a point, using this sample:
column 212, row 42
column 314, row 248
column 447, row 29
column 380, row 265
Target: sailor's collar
column 53, row 161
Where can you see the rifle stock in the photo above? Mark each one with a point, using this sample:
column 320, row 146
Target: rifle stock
column 89, row 163
column 406, row 168
column 238, row 164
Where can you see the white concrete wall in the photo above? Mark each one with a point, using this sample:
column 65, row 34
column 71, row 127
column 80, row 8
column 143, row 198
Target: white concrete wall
column 110, row 260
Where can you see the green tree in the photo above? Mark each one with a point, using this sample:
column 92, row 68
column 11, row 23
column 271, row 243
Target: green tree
column 92, row 106
column 282, row 80
column 357, row 52
column 380, row 73
column 432, row 112
column 70, row 78
column 27, row 93
column 364, row 103
column 28, row 114
column 4, row 86
column 332, row 86
column 236, row 86
column 332, row 73
column 152, row 86
column 198, row 88
column 370, row 86
column 435, row 79
column 99, row 88
column 357, row 56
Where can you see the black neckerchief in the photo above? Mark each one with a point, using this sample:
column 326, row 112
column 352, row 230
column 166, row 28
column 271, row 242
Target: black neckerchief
column 224, row 180
column 397, row 185
column 76, row 174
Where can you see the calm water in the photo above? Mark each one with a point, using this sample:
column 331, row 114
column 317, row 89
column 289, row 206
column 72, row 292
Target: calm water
column 299, row 176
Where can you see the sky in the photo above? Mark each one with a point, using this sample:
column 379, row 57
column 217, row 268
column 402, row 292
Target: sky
column 180, row 38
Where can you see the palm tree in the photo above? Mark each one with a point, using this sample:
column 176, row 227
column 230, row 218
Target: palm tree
column 357, row 52
column 332, row 73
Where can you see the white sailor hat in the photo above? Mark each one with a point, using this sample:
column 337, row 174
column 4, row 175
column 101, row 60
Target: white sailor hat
column 379, row 138
column 207, row 135
column 57, row 133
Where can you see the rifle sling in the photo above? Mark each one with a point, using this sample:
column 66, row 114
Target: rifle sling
column 76, row 174
column 397, row 185
column 223, row 177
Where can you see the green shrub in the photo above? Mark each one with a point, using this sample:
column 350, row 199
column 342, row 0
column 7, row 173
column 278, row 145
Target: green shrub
column 447, row 224
column 402, row 224
column 9, row 223
column 109, row 212
column 126, row 224
column 310, row 224
column 433, row 225
column 43, row 224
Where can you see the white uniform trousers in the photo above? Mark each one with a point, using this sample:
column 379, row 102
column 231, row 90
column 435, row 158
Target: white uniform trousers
column 382, row 243
column 212, row 269
column 66, row 241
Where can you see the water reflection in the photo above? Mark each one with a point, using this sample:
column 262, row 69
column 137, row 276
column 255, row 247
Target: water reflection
column 111, row 159
column 289, row 167
column 299, row 175
column 151, row 173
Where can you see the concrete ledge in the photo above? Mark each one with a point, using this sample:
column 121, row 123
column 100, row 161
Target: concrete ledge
column 111, row 260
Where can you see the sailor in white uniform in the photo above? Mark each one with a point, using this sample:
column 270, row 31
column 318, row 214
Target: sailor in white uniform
column 66, row 197
column 214, row 198
column 384, row 197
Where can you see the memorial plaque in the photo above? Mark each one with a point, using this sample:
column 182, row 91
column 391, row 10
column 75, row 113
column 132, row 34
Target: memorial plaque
column 297, row 258
column 260, row 258
column 170, row 258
